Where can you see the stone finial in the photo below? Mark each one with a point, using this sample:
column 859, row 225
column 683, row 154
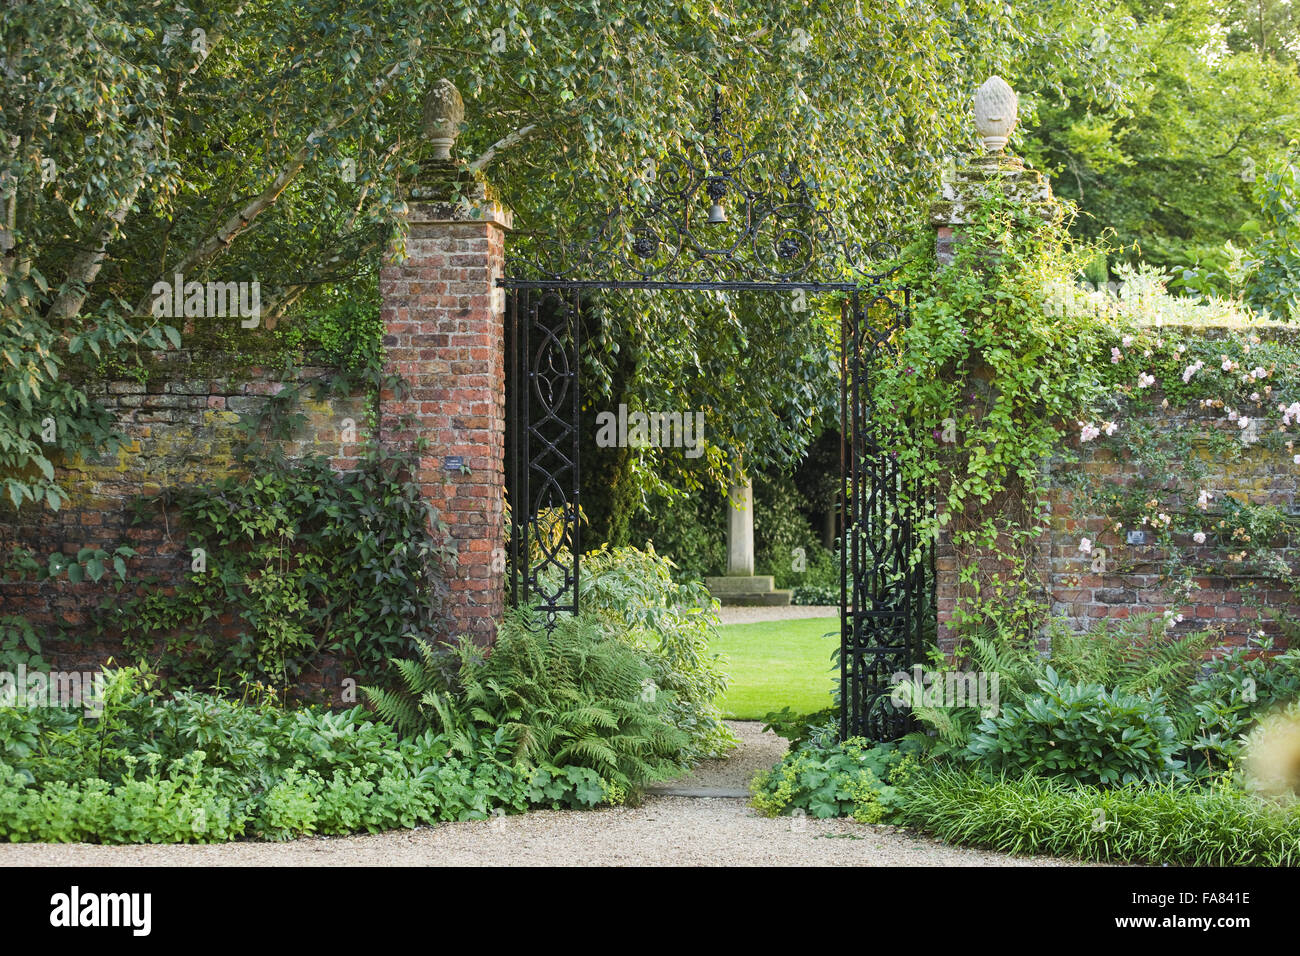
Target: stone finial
column 996, row 112
column 444, row 111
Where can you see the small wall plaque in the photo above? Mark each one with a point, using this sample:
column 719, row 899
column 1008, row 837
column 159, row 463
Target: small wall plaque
column 453, row 462
column 1136, row 537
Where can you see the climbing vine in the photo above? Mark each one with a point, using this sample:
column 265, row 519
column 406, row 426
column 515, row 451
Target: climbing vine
column 986, row 377
column 1009, row 367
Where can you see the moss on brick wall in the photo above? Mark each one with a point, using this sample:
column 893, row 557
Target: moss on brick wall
column 179, row 413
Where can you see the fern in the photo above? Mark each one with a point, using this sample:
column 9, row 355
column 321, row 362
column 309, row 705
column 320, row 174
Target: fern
column 429, row 680
column 1136, row 657
column 575, row 695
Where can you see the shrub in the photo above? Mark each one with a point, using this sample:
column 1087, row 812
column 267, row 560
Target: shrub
column 686, row 531
column 1082, row 732
column 1154, row 824
column 814, row 595
column 574, row 695
column 854, row 778
column 780, row 529
column 820, row 582
column 632, row 592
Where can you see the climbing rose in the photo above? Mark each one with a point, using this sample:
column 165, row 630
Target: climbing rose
column 1199, row 537
column 1085, row 545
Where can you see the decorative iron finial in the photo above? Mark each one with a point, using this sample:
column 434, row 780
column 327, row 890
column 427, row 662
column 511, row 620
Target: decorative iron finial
column 444, row 111
column 996, row 112
column 715, row 117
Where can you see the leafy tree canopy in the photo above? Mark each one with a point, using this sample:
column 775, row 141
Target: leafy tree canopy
column 267, row 140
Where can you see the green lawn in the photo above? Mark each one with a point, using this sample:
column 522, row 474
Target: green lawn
column 775, row 664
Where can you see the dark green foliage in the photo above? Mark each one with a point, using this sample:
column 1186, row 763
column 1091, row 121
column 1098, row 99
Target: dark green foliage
column 1174, row 825
column 576, row 695
column 784, row 541
column 690, row 532
column 854, row 778
column 308, row 561
column 1082, row 732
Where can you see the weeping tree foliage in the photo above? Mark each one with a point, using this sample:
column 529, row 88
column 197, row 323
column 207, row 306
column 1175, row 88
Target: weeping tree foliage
column 267, row 140
column 1170, row 175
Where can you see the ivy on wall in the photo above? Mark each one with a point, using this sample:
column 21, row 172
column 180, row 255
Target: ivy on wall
column 1007, row 367
column 292, row 562
column 984, row 378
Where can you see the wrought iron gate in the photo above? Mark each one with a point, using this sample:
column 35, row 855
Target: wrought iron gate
column 767, row 233
column 542, row 339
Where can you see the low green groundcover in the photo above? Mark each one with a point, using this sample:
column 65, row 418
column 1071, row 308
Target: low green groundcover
column 1189, row 826
column 197, row 768
column 582, row 714
column 1129, row 746
column 1220, row 825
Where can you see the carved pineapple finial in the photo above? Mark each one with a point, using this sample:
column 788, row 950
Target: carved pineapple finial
column 444, row 111
column 996, row 112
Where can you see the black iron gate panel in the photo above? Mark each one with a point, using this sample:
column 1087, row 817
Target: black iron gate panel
column 544, row 480
column 718, row 219
column 885, row 594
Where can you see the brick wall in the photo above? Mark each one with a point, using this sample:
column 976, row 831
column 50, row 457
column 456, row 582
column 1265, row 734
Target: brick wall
column 1131, row 583
column 180, row 429
column 444, row 323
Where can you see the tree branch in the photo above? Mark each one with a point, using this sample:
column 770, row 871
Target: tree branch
column 85, row 266
column 238, row 223
column 514, row 139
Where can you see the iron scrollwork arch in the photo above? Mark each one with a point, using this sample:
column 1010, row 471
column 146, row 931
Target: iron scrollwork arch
column 766, row 222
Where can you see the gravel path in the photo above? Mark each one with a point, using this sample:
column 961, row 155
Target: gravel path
column 666, row 830
column 741, row 614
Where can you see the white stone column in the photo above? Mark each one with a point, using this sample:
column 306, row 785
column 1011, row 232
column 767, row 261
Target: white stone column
column 740, row 529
